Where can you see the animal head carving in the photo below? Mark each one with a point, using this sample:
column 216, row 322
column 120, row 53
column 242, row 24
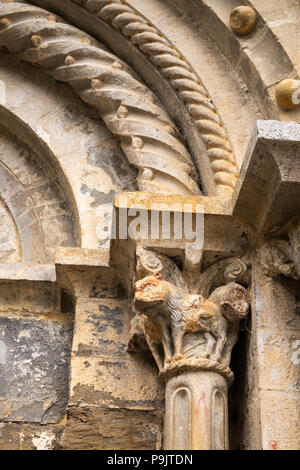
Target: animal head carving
column 235, row 305
column 150, row 292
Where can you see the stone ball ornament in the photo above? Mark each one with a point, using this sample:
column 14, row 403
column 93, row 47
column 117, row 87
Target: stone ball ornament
column 288, row 93
column 242, row 20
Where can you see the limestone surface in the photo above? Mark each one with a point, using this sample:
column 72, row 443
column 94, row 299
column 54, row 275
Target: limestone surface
column 178, row 114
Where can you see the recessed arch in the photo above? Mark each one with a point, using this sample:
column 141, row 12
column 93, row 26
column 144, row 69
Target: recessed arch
column 10, row 245
column 40, row 210
column 67, row 136
column 147, row 40
column 148, row 137
column 22, row 208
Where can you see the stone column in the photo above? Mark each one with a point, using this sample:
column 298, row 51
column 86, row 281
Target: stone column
column 191, row 338
column 196, row 415
column 271, row 416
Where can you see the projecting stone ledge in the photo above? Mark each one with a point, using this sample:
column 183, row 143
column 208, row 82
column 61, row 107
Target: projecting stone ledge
column 175, row 202
column 20, row 272
column 81, row 257
column 267, row 194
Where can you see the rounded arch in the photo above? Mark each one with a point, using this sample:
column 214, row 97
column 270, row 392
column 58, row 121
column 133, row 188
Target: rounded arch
column 134, row 38
column 67, row 145
column 22, row 208
column 147, row 135
column 39, row 208
column 239, row 73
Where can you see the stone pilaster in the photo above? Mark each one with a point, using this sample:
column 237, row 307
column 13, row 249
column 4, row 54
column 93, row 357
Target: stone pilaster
column 115, row 399
column 268, row 197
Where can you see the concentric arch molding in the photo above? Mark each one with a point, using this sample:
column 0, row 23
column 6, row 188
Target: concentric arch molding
column 10, row 246
column 25, row 217
column 217, row 164
column 147, row 135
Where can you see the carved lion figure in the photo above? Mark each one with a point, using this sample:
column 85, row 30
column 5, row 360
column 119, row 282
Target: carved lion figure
column 173, row 312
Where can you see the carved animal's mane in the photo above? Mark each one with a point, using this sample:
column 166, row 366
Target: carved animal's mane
column 175, row 305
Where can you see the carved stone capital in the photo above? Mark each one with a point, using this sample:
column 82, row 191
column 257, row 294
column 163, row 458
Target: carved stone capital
column 281, row 255
column 191, row 337
column 181, row 329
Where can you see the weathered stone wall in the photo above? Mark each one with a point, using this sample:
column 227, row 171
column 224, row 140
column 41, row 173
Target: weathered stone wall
column 35, row 344
column 193, row 90
column 271, row 405
column 112, row 392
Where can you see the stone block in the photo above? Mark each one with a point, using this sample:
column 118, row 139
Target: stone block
column 28, row 297
column 20, row 436
column 280, row 420
column 279, row 365
column 81, row 257
column 129, row 382
column 100, row 327
column 103, row 373
column 34, row 369
column 93, row 428
column 267, row 194
column 277, row 303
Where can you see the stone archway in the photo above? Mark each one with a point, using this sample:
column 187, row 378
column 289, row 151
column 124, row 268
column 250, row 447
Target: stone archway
column 164, row 116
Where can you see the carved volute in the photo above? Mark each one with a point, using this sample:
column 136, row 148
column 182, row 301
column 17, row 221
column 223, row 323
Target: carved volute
column 280, row 255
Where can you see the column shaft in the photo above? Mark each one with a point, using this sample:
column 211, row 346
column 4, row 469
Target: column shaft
column 196, row 412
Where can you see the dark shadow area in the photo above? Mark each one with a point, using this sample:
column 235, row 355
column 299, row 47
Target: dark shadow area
column 237, row 392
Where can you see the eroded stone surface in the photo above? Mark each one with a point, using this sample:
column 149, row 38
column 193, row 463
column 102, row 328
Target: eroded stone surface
column 111, row 392
column 9, row 240
column 118, row 429
column 34, row 370
column 103, row 373
column 273, row 365
column 174, row 81
column 20, row 436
